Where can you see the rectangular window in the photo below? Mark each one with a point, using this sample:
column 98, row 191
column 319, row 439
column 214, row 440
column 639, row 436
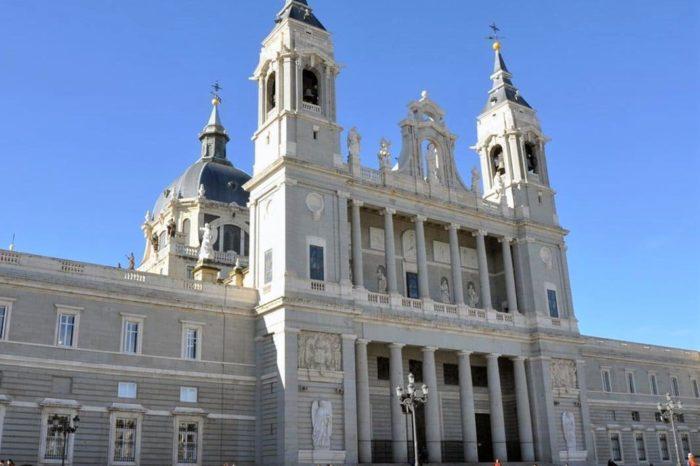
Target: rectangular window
column 316, row 271
column 696, row 389
column 552, row 300
column 132, row 338
column 54, row 438
column 268, row 267
column 680, row 417
column 450, row 374
column 615, row 447
column 480, row 376
column 663, row 447
column 657, row 417
column 612, row 415
column 412, row 285
column 640, row 446
column 635, row 416
column 3, row 318
column 188, row 394
column 66, row 330
column 188, row 442
column 607, row 384
column 126, row 390
column 191, row 342
column 383, row 368
column 125, row 440
column 415, row 367
column 675, row 388
column 653, row 385
column 685, row 444
column 630, row 382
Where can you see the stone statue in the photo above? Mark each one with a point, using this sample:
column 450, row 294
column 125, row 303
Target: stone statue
column 445, row 290
column 206, row 248
column 155, row 242
column 472, row 295
column 319, row 351
column 147, row 218
column 384, row 154
column 201, row 191
column 432, row 160
column 322, row 422
column 424, row 95
column 132, row 261
column 171, row 228
column 382, row 284
column 354, row 140
column 568, row 423
column 475, row 180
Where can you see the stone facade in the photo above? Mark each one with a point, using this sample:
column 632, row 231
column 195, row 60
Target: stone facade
column 328, row 283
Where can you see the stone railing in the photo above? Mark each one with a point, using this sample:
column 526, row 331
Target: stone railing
column 371, row 176
column 93, row 273
column 228, row 258
column 311, row 107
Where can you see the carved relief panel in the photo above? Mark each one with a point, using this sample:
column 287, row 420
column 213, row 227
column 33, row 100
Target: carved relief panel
column 319, row 351
column 563, row 374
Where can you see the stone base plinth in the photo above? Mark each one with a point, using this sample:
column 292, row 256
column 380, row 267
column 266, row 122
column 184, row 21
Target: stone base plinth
column 206, row 272
column 322, row 456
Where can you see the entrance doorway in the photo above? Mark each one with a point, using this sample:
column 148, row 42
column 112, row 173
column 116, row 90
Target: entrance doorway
column 483, row 438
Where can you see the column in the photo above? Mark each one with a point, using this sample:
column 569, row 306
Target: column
column 483, row 269
column 432, row 407
column 498, row 429
column 350, row 398
column 364, row 427
column 286, row 346
column 398, row 419
column 343, row 239
column 421, row 258
column 522, row 400
column 456, row 262
column 357, row 245
column 510, row 276
column 466, row 400
column 390, row 251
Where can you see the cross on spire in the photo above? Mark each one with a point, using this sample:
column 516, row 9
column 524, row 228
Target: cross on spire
column 495, row 36
column 215, row 92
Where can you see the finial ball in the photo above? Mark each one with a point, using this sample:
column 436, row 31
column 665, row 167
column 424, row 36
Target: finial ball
column 215, row 101
column 496, row 45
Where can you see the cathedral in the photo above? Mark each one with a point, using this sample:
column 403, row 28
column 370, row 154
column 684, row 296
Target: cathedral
column 318, row 311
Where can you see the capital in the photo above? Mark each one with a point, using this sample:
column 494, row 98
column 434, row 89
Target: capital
column 479, row 233
column 518, row 358
column 396, row 345
column 347, row 336
column 419, row 218
column 505, row 239
column 343, row 194
column 492, row 356
column 388, row 211
column 453, row 226
column 429, row 349
column 357, row 203
column 362, row 341
column 464, row 353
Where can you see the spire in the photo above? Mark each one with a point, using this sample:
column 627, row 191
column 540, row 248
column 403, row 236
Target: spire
column 503, row 88
column 214, row 136
column 299, row 10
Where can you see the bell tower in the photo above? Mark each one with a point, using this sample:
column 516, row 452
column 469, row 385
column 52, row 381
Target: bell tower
column 511, row 147
column 296, row 91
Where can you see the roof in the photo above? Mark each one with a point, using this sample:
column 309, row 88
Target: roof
column 503, row 88
column 299, row 10
column 222, row 183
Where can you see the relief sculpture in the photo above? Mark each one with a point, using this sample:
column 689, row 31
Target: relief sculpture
column 563, row 373
column 319, row 351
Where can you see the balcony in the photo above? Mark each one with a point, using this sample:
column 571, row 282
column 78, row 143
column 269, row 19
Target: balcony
column 311, row 108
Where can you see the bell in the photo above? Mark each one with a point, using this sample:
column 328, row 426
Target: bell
column 308, row 93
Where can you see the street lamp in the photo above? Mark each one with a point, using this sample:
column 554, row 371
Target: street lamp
column 668, row 410
column 410, row 398
column 64, row 426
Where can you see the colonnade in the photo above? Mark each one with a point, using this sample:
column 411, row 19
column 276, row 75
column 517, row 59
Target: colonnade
column 422, row 262
column 433, row 431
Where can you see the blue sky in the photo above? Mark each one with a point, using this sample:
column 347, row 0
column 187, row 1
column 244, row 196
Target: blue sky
column 101, row 103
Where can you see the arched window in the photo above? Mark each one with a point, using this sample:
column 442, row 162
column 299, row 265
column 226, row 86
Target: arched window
column 310, row 90
column 232, row 239
column 497, row 162
column 186, row 230
column 531, row 158
column 271, row 91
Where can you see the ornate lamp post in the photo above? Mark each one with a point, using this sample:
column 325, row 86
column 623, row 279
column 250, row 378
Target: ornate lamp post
column 669, row 409
column 65, row 427
column 410, row 398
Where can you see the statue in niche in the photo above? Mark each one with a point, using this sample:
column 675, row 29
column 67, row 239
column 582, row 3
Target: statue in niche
column 172, row 228
column 568, row 423
column 382, row 285
column 322, row 423
column 354, row 141
column 155, row 242
column 472, row 295
column 319, row 351
column 563, row 373
column 409, row 245
column 384, row 154
column 206, row 248
column 445, row 290
column 432, row 159
column 475, row 180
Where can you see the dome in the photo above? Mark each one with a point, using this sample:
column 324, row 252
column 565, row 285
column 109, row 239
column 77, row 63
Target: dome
column 222, row 183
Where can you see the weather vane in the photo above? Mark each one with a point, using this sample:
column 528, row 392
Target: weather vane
column 495, row 36
column 215, row 92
